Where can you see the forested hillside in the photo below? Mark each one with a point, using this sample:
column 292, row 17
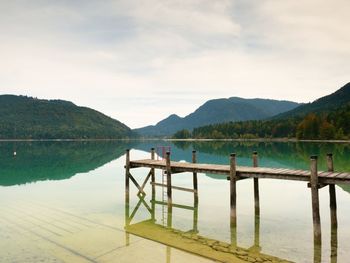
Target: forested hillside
column 24, row 117
column 219, row 111
column 326, row 118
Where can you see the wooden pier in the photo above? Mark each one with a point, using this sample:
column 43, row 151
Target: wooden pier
column 316, row 180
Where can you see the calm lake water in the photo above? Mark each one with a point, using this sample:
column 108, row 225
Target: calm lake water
column 65, row 202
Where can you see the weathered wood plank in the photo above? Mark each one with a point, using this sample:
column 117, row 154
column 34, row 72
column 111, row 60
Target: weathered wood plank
column 244, row 171
column 174, row 187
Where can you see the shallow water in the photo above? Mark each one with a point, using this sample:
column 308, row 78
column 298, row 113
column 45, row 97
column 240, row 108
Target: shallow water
column 65, row 202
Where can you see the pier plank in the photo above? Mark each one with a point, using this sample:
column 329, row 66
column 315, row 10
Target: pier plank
column 244, row 171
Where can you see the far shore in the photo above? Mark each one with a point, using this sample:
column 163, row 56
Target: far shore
column 262, row 140
column 179, row 140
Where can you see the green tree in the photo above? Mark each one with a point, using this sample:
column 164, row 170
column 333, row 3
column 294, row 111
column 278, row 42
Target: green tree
column 182, row 134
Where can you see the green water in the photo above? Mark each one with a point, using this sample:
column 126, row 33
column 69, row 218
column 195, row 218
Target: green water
column 65, row 202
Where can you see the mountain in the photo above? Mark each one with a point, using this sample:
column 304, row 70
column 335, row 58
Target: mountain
column 324, row 119
column 24, row 117
column 218, row 111
column 324, row 104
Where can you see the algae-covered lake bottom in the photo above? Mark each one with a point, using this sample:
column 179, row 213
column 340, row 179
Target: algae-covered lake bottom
column 66, row 202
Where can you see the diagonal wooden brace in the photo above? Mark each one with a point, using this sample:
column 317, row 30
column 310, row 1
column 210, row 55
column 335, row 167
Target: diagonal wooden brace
column 141, row 201
column 144, row 183
column 136, row 184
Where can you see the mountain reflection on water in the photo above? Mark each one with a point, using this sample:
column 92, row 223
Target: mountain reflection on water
column 52, row 160
column 91, row 205
column 39, row 161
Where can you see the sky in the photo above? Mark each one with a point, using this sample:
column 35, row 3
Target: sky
column 141, row 60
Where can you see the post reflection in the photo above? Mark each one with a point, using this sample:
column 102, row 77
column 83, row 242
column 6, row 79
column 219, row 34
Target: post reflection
column 162, row 231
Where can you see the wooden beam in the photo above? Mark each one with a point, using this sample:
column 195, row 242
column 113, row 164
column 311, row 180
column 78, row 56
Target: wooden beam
column 319, row 185
column 174, row 187
column 174, row 205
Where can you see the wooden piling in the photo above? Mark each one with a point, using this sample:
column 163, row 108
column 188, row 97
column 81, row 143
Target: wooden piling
column 127, row 195
column 195, row 182
column 233, row 197
column 195, row 179
column 127, row 170
column 256, row 187
column 195, row 218
column 333, row 212
column 315, row 200
column 153, row 180
column 332, row 193
column 152, row 169
column 256, row 206
column 168, row 177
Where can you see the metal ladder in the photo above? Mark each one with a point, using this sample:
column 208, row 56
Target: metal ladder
column 161, row 152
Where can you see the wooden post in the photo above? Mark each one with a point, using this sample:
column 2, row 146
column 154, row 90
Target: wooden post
column 127, row 196
column 168, row 177
column 256, row 206
column 256, row 186
column 195, row 218
column 195, row 183
column 315, row 201
column 233, row 196
column 195, row 180
column 168, row 254
column 127, row 170
column 333, row 209
column 153, row 180
column 170, row 215
column 332, row 193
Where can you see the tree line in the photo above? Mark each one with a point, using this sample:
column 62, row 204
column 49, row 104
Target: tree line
column 315, row 126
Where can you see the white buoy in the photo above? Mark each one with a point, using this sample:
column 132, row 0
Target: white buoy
column 14, row 153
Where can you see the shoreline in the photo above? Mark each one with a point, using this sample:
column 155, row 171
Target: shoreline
column 262, row 140
column 179, row 140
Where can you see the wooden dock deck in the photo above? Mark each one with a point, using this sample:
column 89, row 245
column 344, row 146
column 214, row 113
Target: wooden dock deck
column 244, row 171
column 234, row 173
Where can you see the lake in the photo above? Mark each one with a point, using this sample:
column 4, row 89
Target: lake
column 66, row 202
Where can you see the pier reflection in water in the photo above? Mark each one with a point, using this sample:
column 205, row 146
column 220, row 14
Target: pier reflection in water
column 191, row 240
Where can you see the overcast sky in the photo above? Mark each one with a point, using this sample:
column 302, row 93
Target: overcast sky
column 140, row 60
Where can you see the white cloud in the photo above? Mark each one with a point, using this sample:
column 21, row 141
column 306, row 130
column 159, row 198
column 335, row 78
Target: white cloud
column 140, row 61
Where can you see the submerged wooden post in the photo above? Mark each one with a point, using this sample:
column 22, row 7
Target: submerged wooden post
column 256, row 186
column 256, row 205
column 168, row 177
column 233, row 197
column 315, row 201
column 195, row 180
column 332, row 193
column 195, row 183
column 127, row 196
column 333, row 210
column 195, row 218
column 153, row 180
column 127, row 170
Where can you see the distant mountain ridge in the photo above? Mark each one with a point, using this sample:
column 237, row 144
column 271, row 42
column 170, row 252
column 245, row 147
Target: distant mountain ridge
column 327, row 118
column 335, row 100
column 23, row 117
column 218, row 111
